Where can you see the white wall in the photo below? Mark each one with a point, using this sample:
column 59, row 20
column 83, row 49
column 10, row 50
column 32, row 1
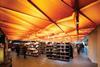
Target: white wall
column 98, row 46
column 94, row 46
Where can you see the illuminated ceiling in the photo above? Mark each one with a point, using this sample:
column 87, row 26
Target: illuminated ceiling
column 51, row 20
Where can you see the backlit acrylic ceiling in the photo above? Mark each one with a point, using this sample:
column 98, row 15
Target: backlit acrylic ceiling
column 50, row 20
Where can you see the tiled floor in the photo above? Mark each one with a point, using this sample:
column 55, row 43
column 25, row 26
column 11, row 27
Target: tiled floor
column 42, row 61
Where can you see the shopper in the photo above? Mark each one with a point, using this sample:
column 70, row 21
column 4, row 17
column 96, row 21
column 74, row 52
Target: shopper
column 71, row 50
column 86, row 49
column 82, row 48
column 24, row 50
column 17, row 49
column 78, row 48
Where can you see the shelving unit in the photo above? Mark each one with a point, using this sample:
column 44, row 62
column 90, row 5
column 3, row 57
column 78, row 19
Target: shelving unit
column 49, row 51
column 58, row 52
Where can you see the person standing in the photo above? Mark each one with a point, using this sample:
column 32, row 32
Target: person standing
column 17, row 49
column 71, row 50
column 82, row 48
column 79, row 48
column 24, row 50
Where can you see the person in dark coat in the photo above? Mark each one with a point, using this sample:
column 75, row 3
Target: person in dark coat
column 17, row 49
column 82, row 48
column 71, row 51
column 24, row 50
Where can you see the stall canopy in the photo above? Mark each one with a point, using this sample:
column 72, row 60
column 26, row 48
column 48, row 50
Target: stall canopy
column 49, row 20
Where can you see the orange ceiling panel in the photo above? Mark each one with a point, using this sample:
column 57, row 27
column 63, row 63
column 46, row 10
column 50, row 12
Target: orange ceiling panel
column 53, row 20
column 92, row 11
column 82, row 3
column 54, row 8
column 21, row 7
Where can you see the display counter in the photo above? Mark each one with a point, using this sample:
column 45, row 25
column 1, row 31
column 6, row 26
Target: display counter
column 32, row 52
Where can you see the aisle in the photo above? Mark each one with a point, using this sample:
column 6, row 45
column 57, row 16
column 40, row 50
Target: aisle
column 78, row 61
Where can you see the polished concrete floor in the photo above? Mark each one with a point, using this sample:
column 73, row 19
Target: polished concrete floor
column 42, row 61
